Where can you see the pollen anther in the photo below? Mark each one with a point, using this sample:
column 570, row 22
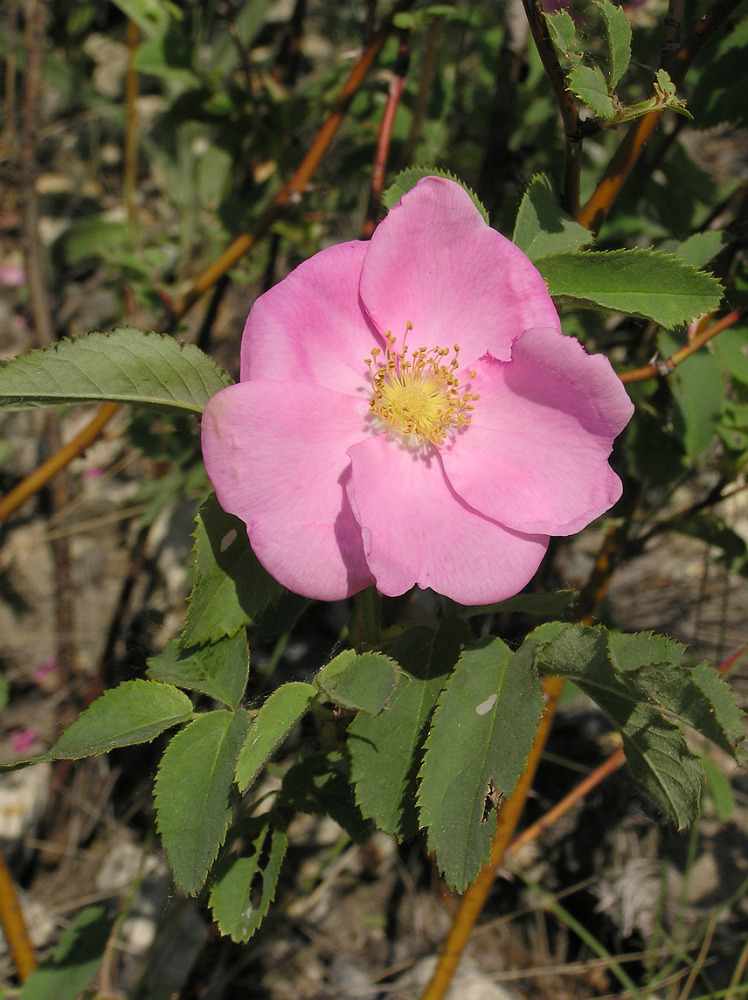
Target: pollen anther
column 419, row 393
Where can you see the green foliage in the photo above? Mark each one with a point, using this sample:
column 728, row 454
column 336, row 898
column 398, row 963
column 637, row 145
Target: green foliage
column 594, row 83
column 218, row 670
column 126, row 366
column 319, row 785
column 231, row 587
column 193, row 793
column 67, row 972
column 243, row 886
column 271, row 725
column 698, row 391
column 408, row 179
column 717, row 96
column 135, row 712
column 481, row 734
column 644, row 283
column 649, row 695
column 362, row 681
column 386, row 750
column 542, row 227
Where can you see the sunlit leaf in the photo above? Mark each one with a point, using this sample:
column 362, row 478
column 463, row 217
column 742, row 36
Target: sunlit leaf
column 643, row 283
column 481, row 733
column 193, row 793
column 126, row 366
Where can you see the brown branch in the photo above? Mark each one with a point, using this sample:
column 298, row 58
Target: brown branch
column 594, row 213
column 567, row 106
column 57, row 462
column 384, row 138
column 664, row 366
column 14, row 925
column 593, row 779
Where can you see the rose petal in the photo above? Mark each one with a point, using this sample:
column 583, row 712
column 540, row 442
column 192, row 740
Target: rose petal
column 434, row 262
column 535, row 454
column 310, row 327
column 416, row 531
column 276, row 455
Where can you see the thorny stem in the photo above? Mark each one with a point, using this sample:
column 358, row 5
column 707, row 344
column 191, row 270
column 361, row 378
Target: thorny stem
column 385, row 135
column 290, row 192
column 476, row 894
column 664, row 366
column 594, row 213
column 565, row 101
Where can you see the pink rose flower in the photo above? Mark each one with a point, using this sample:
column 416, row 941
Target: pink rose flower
column 409, row 412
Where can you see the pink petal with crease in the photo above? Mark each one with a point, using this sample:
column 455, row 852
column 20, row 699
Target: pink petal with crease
column 416, row 531
column 311, row 327
column 435, row 263
column 535, row 456
column 276, row 455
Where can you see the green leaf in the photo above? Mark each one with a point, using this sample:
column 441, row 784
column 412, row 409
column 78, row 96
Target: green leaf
column 719, row 789
column 629, row 651
column 126, row 366
column 699, row 391
column 134, row 712
column 588, row 84
column 542, row 228
column 716, row 96
column 408, row 179
column 699, row 248
column 92, row 239
column 481, row 735
column 319, row 785
column 66, row 973
column 169, row 57
column 655, row 748
column 244, row 886
column 564, row 34
column 553, row 604
column 218, row 669
column 271, row 726
column 618, row 33
column 151, row 16
column 731, row 347
column 231, row 586
column 386, row 751
column 363, row 681
column 696, row 695
column 193, row 793
column 645, row 283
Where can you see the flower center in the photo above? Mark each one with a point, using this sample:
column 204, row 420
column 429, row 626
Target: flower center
column 419, row 393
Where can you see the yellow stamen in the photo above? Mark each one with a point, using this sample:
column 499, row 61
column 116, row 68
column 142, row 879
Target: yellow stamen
column 420, row 394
